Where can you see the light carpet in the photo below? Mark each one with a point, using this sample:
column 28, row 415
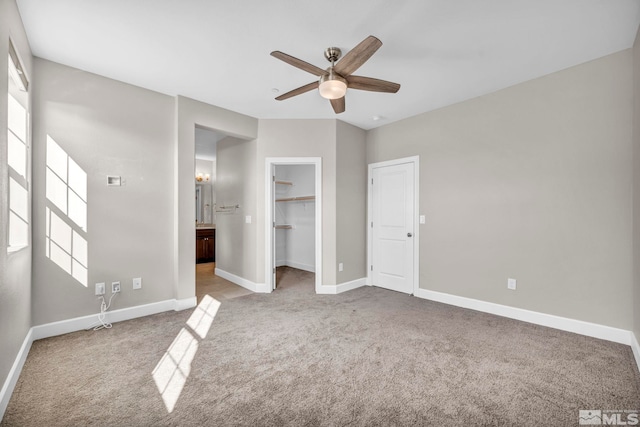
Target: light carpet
column 294, row 358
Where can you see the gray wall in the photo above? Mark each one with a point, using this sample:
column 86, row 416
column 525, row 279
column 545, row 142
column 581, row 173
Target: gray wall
column 108, row 128
column 351, row 202
column 531, row 182
column 301, row 138
column 236, row 184
column 636, row 184
column 15, row 268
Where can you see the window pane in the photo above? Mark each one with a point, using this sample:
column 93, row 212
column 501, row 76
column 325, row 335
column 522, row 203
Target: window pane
column 17, row 155
column 17, row 116
column 60, row 234
column 77, row 210
column 18, row 200
column 77, row 179
column 56, row 159
column 18, row 231
column 56, row 191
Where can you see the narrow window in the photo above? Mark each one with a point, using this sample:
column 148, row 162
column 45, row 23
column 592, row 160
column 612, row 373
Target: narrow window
column 18, row 153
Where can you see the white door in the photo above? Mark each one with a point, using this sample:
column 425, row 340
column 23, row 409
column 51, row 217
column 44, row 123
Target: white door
column 392, row 223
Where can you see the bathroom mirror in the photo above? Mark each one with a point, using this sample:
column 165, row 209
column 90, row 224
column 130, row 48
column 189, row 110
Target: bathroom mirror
column 204, row 203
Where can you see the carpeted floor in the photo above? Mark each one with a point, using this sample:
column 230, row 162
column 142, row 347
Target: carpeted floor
column 293, row 358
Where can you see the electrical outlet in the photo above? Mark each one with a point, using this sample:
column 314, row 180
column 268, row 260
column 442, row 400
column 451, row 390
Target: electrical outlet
column 115, row 287
column 340, row 267
column 511, row 284
column 137, row 283
column 100, row 289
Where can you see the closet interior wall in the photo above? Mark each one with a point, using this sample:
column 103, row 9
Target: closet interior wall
column 295, row 216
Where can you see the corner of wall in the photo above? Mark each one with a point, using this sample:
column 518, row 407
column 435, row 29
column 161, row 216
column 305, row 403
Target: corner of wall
column 636, row 187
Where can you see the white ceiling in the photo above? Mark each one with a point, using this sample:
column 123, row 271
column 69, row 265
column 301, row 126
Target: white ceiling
column 440, row 51
column 206, row 143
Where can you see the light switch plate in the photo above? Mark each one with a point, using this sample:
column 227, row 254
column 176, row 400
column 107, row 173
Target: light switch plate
column 511, row 284
column 423, row 219
column 137, row 283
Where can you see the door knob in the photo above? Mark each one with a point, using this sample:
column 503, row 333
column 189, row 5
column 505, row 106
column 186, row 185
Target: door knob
column 409, row 235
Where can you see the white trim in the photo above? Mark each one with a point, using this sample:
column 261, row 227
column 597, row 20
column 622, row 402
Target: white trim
column 342, row 287
column 78, row 324
column 348, row 286
column 635, row 347
column 183, row 304
column 594, row 330
column 298, row 265
column 14, row 373
column 270, row 163
column 416, row 216
column 81, row 323
column 241, row 281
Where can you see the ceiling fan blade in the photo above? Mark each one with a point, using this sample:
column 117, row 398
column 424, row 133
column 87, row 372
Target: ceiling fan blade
column 298, row 63
column 357, row 56
column 298, row 91
column 373, row 85
column 338, row 105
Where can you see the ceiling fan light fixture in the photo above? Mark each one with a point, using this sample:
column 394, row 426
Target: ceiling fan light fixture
column 332, row 85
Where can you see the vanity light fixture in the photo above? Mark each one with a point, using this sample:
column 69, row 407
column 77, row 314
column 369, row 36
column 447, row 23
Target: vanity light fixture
column 202, row 177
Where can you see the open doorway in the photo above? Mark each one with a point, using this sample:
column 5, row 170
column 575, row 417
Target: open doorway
column 205, row 201
column 213, row 217
column 293, row 219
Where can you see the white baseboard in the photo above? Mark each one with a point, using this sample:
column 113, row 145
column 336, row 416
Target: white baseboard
column 635, row 346
column 241, row 281
column 293, row 264
column 14, row 373
column 184, row 304
column 80, row 323
column 77, row 324
column 342, row 287
column 594, row 330
column 301, row 266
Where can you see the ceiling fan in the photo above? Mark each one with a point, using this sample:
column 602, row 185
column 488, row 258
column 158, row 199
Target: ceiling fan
column 335, row 80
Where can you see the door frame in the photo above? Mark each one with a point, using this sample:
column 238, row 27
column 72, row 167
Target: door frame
column 416, row 216
column 269, row 200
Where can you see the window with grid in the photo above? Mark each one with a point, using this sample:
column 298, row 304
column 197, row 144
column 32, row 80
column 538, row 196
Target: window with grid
column 18, row 153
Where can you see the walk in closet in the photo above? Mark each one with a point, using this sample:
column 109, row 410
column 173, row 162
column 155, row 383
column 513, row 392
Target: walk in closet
column 295, row 216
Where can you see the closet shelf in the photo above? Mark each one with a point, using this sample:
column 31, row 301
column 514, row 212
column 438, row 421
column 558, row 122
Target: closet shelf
column 283, row 227
column 284, row 182
column 297, row 199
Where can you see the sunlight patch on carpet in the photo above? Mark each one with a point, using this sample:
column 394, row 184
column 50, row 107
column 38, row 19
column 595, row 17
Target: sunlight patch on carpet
column 202, row 317
column 171, row 373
